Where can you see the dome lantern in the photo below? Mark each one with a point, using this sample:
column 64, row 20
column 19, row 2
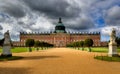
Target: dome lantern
column 60, row 28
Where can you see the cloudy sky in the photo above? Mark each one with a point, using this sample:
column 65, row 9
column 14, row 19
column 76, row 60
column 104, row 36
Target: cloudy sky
column 42, row 15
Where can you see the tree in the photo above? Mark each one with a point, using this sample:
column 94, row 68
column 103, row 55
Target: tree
column 88, row 43
column 118, row 41
column 43, row 44
column 1, row 42
column 29, row 43
column 81, row 43
column 37, row 44
column 76, row 44
column 69, row 45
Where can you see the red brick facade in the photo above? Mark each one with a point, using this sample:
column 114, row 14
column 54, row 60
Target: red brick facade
column 59, row 39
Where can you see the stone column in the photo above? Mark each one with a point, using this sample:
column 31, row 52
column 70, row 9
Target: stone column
column 112, row 45
column 6, row 45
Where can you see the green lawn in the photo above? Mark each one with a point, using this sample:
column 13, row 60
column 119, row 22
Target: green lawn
column 99, row 49
column 106, row 58
column 19, row 49
column 102, row 49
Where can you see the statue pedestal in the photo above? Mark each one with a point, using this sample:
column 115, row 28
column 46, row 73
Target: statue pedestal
column 112, row 50
column 6, row 51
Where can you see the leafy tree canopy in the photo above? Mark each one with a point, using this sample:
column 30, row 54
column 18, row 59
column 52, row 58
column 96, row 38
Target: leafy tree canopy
column 29, row 42
column 88, row 42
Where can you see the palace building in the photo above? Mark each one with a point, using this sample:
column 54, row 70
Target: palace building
column 60, row 37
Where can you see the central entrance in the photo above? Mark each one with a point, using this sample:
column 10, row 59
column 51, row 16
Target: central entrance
column 61, row 44
column 60, row 40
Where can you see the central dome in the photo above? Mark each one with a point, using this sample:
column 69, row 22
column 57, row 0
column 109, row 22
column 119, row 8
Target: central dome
column 60, row 28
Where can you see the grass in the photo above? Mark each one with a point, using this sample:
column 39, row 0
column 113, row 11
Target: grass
column 102, row 49
column 99, row 49
column 19, row 49
column 106, row 58
column 10, row 58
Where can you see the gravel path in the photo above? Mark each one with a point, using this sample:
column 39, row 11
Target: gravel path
column 59, row 61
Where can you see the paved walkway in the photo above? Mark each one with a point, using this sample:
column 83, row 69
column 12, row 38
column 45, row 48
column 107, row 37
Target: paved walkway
column 59, row 61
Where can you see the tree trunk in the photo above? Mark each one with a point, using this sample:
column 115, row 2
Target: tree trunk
column 82, row 48
column 89, row 49
column 37, row 48
column 30, row 49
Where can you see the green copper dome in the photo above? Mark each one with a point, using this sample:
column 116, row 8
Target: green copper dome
column 60, row 28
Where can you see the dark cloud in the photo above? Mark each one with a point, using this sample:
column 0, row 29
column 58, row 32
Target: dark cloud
column 81, row 24
column 53, row 8
column 113, row 16
column 14, row 11
column 14, row 8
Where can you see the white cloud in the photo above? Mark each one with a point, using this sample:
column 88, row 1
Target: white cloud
column 77, row 15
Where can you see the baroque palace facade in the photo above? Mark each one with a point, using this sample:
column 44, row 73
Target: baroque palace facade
column 59, row 38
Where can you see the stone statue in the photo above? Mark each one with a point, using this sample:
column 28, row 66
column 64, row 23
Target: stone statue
column 6, row 45
column 113, row 37
column 112, row 45
column 7, row 38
